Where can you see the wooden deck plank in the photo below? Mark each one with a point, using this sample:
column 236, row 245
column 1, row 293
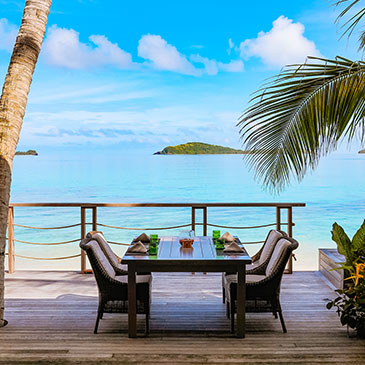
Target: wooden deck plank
column 52, row 314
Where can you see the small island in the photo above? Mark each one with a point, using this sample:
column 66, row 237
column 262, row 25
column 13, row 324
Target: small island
column 26, row 153
column 362, row 151
column 198, row 148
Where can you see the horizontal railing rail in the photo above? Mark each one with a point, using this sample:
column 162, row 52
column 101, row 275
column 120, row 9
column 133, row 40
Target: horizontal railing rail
column 95, row 224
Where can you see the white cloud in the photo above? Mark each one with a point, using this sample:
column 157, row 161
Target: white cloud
column 164, row 56
column 284, row 44
column 62, row 47
column 211, row 67
column 230, row 46
column 8, row 33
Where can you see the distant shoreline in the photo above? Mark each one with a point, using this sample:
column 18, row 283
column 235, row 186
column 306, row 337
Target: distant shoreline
column 26, row 153
column 198, row 148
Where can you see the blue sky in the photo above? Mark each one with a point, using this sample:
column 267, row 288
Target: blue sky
column 124, row 74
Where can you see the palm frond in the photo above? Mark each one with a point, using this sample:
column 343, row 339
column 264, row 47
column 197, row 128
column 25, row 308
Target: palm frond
column 362, row 41
column 354, row 20
column 301, row 115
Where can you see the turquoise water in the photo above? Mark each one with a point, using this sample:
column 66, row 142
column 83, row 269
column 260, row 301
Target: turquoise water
column 334, row 192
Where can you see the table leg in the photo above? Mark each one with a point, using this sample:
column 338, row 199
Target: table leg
column 132, row 302
column 241, row 301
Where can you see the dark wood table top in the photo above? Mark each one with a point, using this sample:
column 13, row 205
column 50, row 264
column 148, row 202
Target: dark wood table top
column 203, row 250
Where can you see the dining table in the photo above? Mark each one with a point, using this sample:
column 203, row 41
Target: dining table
column 201, row 257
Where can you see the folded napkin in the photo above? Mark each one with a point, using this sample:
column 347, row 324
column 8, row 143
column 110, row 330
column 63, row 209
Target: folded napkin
column 143, row 238
column 233, row 247
column 227, row 237
column 137, row 247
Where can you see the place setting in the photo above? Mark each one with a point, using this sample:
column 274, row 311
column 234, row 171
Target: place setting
column 226, row 244
column 144, row 245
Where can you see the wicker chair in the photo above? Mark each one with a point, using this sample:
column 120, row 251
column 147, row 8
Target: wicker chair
column 110, row 255
column 262, row 284
column 108, row 252
column 113, row 289
column 262, row 257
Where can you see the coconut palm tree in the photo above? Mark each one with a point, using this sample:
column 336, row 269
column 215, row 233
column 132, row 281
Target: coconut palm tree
column 12, row 108
column 305, row 111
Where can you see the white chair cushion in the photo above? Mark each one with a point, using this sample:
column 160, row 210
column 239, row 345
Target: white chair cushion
column 106, row 248
column 276, row 255
column 230, row 279
column 252, row 266
column 99, row 254
column 271, row 240
column 139, row 279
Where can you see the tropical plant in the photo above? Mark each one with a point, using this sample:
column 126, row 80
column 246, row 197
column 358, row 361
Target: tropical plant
column 350, row 303
column 13, row 102
column 353, row 249
column 304, row 112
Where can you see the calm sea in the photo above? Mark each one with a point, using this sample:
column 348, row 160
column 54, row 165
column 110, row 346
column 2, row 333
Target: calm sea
column 335, row 192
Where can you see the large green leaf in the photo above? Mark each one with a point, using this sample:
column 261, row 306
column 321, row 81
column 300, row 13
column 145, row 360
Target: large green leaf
column 301, row 115
column 355, row 16
column 343, row 242
column 358, row 241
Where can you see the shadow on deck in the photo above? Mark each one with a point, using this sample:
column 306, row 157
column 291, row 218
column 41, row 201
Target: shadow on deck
column 52, row 314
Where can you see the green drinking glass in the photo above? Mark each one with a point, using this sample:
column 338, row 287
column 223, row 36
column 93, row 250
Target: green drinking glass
column 216, row 235
column 154, row 238
column 153, row 248
column 219, row 244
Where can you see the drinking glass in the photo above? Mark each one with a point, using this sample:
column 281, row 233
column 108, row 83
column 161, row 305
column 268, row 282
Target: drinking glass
column 216, row 234
column 219, row 244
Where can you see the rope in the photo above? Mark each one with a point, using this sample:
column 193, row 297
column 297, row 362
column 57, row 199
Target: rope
column 47, row 243
column 253, row 242
column 249, row 227
column 119, row 243
column 144, row 229
column 72, row 225
column 47, row 258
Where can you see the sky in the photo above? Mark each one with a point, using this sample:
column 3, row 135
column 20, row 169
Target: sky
column 146, row 74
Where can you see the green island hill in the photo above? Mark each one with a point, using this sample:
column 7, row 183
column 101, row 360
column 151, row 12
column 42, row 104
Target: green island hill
column 362, row 151
column 197, row 148
column 26, row 153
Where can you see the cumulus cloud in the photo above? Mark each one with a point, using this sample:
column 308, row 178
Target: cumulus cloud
column 230, row 46
column 284, row 44
column 211, row 67
column 164, row 56
column 63, row 48
column 8, row 33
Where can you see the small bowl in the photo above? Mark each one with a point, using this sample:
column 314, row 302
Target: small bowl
column 186, row 243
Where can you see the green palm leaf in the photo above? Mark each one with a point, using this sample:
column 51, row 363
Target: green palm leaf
column 354, row 20
column 301, row 115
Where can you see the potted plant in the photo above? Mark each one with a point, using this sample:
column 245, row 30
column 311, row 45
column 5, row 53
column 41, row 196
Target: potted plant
column 350, row 303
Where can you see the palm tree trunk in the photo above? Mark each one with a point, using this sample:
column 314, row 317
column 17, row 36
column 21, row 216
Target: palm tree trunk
column 12, row 108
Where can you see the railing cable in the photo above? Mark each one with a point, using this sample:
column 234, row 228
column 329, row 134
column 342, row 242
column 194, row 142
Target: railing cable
column 47, row 258
column 23, row 226
column 47, row 243
column 144, row 229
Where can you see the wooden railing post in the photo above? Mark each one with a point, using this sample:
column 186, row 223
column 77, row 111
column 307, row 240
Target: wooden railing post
column 11, row 262
column 278, row 218
column 83, row 233
column 193, row 218
column 95, row 219
column 205, row 221
column 290, row 234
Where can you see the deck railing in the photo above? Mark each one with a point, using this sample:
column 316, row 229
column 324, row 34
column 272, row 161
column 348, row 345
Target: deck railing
column 94, row 224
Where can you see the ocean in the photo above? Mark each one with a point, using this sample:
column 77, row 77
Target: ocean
column 334, row 192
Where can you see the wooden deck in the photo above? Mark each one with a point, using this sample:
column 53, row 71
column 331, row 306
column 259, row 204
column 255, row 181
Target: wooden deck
column 51, row 317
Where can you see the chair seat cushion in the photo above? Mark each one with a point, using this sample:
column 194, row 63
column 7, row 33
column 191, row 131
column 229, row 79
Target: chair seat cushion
column 140, row 279
column 232, row 279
